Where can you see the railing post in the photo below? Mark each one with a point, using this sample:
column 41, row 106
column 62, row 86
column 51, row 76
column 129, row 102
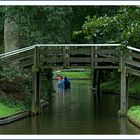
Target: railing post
column 66, row 57
column 124, row 89
column 36, row 105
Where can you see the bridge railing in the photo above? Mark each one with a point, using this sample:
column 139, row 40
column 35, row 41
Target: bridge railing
column 23, row 56
column 64, row 55
column 132, row 61
column 78, row 55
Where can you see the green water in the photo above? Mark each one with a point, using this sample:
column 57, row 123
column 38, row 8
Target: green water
column 74, row 111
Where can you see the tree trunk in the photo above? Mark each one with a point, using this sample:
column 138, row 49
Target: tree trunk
column 11, row 35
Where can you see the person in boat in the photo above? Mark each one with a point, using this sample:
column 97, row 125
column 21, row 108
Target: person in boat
column 59, row 78
column 67, row 82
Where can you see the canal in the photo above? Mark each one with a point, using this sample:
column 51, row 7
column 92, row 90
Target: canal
column 74, row 111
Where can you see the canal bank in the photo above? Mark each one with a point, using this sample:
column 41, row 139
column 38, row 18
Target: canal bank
column 133, row 112
column 19, row 114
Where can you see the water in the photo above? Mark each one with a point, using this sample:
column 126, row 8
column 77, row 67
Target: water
column 74, row 111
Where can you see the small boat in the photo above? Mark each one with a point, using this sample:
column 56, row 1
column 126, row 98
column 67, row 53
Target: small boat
column 64, row 83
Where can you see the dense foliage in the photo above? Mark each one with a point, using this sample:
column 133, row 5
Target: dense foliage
column 123, row 27
column 15, row 85
column 48, row 24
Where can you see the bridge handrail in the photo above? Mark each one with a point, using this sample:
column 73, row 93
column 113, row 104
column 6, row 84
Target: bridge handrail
column 133, row 49
column 77, row 45
column 7, row 54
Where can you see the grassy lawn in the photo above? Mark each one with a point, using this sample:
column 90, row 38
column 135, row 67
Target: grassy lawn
column 5, row 110
column 73, row 74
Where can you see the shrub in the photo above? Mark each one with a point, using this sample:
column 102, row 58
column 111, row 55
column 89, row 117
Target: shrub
column 15, row 85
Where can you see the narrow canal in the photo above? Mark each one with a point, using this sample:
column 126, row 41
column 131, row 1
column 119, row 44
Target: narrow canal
column 74, row 111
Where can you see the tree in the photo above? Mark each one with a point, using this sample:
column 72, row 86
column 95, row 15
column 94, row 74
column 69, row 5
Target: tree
column 123, row 27
column 28, row 25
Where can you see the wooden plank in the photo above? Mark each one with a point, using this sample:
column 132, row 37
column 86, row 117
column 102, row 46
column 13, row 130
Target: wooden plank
column 135, row 55
column 106, row 60
column 8, row 54
column 80, row 51
column 132, row 63
column 106, row 67
column 19, row 56
column 51, row 60
column 20, row 59
column 26, row 63
column 133, row 71
column 79, row 67
column 106, row 51
column 81, row 59
column 50, row 51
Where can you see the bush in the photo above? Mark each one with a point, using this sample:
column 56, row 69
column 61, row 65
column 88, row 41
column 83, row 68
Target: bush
column 15, row 85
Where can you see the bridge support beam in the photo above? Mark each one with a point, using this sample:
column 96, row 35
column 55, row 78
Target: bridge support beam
column 36, row 105
column 96, row 84
column 124, row 92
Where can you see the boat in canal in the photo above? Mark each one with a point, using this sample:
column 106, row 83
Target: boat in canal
column 63, row 83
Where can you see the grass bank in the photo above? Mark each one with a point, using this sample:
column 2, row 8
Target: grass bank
column 74, row 74
column 114, row 85
column 134, row 115
column 6, row 110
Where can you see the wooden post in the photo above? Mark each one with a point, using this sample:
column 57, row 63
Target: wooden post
column 96, row 78
column 66, row 57
column 94, row 82
column 124, row 90
column 36, row 105
column 123, row 125
column 92, row 57
column 98, row 84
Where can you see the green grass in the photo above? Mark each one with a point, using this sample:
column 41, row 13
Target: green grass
column 111, row 86
column 134, row 114
column 73, row 74
column 134, row 86
column 5, row 110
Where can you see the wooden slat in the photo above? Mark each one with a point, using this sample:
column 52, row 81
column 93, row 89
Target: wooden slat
column 81, row 59
column 20, row 59
column 106, row 51
column 133, row 71
column 135, row 55
column 50, row 51
column 26, row 63
column 79, row 67
column 132, row 63
column 80, row 51
column 52, row 60
column 105, row 67
column 106, row 60
column 19, row 56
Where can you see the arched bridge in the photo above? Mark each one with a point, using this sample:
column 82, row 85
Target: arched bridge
column 95, row 56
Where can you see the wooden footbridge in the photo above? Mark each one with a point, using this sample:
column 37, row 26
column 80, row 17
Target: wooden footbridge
column 91, row 56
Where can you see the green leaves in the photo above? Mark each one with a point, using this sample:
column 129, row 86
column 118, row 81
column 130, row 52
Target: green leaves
column 122, row 27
